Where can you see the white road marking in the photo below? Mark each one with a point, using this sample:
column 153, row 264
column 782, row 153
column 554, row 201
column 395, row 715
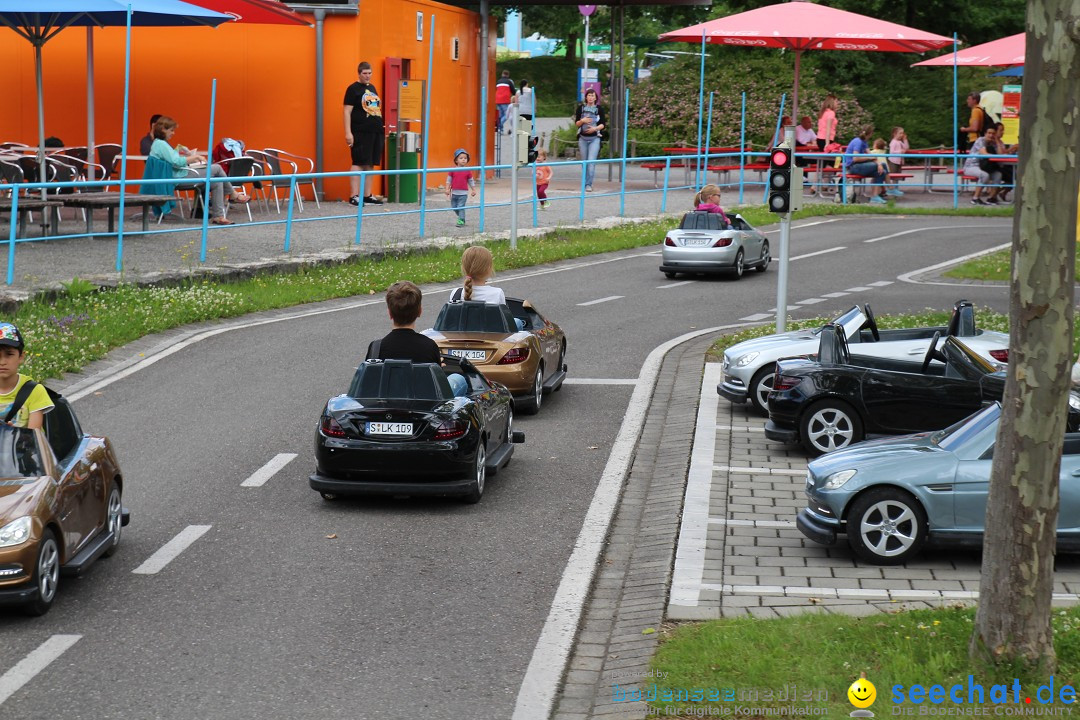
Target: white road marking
column 907, row 277
column 83, row 388
column 600, row 381
column 880, row 283
column 922, row 229
column 684, row 282
column 805, row 225
column 835, row 294
column 260, row 476
column 857, row 289
column 819, row 252
column 690, row 547
column 601, row 300
column 759, row 470
column 810, row 301
column 170, row 550
column 755, row 318
column 26, row 669
column 536, row 697
column 751, row 523
column 789, row 307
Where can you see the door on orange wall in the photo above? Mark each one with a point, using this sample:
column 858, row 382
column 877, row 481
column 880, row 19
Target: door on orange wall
column 391, row 76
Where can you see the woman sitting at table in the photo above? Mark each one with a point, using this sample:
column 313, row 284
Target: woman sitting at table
column 180, row 159
column 1007, row 170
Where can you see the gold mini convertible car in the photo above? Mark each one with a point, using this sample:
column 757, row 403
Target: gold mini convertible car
column 530, row 361
column 59, row 506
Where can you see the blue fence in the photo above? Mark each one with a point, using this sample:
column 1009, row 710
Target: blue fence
column 826, row 178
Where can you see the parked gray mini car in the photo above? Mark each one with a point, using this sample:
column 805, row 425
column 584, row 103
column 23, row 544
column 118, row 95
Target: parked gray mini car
column 891, row 496
column 704, row 244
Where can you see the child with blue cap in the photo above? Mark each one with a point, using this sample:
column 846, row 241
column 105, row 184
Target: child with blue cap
column 460, row 185
column 23, row 402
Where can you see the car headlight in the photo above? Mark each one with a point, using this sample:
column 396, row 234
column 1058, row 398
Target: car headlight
column 1074, row 401
column 837, row 479
column 15, row 532
column 747, row 359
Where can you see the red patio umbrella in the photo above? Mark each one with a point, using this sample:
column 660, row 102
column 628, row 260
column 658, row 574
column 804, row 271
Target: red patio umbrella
column 1006, row 51
column 803, row 26
column 262, row 12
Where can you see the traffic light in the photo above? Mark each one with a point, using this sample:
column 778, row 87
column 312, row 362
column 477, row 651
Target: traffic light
column 533, row 152
column 525, row 148
column 781, row 165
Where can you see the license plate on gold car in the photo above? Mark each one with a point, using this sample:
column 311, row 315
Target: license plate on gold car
column 388, row 428
column 469, row 354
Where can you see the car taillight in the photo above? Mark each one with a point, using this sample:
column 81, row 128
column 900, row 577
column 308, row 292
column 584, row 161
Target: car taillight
column 451, row 429
column 669, row 242
column 331, row 427
column 514, row 356
column 1002, row 356
column 722, row 242
column 784, row 382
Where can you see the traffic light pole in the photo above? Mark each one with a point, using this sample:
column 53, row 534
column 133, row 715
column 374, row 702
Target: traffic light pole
column 513, row 177
column 785, row 242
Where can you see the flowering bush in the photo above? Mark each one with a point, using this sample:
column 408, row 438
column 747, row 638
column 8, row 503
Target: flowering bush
column 668, row 100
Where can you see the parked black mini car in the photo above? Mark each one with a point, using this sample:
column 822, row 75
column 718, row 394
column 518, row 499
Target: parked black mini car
column 834, row 400
column 401, row 431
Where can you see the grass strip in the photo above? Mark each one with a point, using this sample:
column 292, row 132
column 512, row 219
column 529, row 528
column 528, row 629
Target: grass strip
column 84, row 323
column 995, row 266
column 752, row 667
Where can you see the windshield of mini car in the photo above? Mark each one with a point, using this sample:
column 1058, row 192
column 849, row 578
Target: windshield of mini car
column 964, row 361
column 852, row 321
column 19, row 456
column 969, row 429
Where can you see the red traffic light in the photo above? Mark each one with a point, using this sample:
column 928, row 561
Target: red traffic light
column 781, row 157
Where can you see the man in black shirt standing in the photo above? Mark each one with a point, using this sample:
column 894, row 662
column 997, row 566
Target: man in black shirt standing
column 363, row 131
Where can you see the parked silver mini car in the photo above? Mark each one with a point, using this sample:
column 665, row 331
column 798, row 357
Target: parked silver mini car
column 704, row 244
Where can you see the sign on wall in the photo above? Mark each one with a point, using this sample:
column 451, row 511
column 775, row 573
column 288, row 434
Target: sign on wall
column 1010, row 114
column 410, row 101
column 419, row 26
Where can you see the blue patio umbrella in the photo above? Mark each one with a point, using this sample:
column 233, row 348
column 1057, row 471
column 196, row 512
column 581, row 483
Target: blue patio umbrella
column 1017, row 71
column 40, row 20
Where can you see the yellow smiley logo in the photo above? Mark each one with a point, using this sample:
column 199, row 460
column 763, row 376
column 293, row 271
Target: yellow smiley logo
column 862, row 692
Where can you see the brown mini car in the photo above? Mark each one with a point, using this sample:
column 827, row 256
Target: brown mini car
column 60, row 506
column 530, row 362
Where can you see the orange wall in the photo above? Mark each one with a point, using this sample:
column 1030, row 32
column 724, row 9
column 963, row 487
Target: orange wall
column 265, row 81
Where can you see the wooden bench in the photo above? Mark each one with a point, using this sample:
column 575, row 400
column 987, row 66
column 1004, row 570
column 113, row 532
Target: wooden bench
column 50, row 209
column 111, row 201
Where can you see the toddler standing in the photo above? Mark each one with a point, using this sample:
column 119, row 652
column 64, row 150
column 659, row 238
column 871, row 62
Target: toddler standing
column 460, row 185
column 543, row 178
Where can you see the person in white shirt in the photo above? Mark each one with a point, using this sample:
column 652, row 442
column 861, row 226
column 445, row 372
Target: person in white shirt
column 804, row 133
column 478, row 266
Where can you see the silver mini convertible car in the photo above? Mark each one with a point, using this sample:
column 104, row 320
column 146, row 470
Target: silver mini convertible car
column 704, row 244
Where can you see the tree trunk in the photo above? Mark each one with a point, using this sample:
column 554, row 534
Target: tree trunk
column 571, row 46
column 1012, row 623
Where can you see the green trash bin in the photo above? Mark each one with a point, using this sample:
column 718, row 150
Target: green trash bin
column 401, row 188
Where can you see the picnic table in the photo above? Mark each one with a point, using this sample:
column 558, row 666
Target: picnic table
column 50, row 210
column 111, row 201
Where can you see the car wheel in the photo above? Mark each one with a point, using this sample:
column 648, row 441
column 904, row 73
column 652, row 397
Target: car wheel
column 114, row 518
column 760, row 387
column 509, row 437
column 763, row 263
column 738, row 267
column 886, row 526
column 829, row 425
column 671, row 275
column 329, row 496
column 534, row 401
column 479, row 475
column 46, row 575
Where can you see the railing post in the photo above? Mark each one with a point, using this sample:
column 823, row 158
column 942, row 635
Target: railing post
column 11, row 236
column 360, row 205
column 289, row 213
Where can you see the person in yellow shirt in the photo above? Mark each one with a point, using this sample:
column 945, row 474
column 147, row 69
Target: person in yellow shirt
column 29, row 410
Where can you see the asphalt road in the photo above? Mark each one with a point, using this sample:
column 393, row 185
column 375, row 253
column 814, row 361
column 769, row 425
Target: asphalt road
column 292, row 607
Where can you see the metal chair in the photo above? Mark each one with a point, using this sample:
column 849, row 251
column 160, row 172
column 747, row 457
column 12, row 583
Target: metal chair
column 107, row 154
column 272, row 163
column 297, row 160
column 241, row 168
column 68, row 168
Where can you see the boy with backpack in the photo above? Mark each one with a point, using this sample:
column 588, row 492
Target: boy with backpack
column 23, row 402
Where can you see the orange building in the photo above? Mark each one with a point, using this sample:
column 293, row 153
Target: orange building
column 266, row 81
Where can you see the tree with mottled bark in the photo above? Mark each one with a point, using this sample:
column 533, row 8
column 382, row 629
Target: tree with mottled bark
column 1012, row 624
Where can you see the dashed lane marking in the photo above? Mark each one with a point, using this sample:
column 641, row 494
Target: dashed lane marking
column 810, row 301
column 755, row 318
column 40, row 658
column 857, row 289
column 834, row 295
column 684, row 282
column 819, row 252
column 881, row 283
column 170, row 550
column 601, row 300
column 267, row 471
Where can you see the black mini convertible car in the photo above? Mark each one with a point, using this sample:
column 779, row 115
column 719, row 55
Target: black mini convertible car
column 400, row 430
column 835, row 399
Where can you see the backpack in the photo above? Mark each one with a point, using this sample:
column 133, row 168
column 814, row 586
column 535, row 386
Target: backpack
column 20, row 399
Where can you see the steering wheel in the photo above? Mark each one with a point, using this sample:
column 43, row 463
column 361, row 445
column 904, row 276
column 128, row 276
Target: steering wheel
column 871, row 322
column 931, row 352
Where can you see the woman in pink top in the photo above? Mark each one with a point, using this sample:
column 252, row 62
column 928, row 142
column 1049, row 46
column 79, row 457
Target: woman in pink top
column 826, row 124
